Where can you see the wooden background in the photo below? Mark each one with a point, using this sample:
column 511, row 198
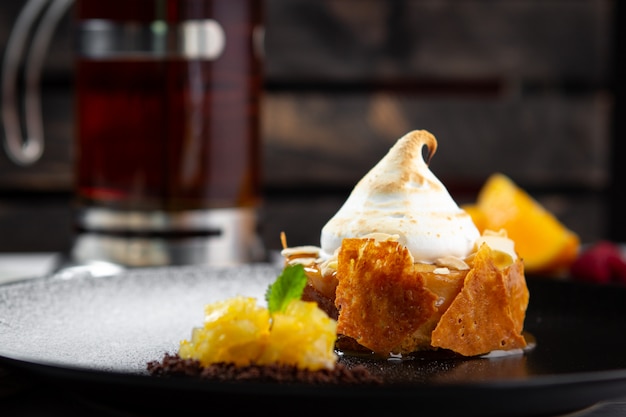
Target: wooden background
column 522, row 87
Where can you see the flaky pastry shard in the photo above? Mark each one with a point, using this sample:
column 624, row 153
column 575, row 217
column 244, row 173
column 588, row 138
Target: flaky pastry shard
column 488, row 314
column 381, row 300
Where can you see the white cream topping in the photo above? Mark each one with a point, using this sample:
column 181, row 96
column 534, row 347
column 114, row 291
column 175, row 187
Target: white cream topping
column 401, row 196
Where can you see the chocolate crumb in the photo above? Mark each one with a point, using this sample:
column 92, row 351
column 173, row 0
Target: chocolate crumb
column 174, row 365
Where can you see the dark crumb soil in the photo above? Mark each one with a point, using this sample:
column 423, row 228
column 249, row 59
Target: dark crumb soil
column 173, row 365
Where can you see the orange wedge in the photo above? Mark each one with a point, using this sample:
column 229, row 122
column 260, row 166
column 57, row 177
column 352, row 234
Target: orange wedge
column 541, row 240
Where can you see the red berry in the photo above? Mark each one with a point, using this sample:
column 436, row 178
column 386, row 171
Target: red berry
column 618, row 269
column 598, row 263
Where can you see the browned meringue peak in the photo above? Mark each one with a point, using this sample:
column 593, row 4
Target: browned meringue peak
column 401, row 196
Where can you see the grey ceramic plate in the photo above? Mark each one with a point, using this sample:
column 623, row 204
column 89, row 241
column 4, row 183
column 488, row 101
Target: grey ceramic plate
column 95, row 336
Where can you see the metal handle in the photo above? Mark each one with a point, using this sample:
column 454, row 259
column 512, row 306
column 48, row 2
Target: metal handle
column 27, row 150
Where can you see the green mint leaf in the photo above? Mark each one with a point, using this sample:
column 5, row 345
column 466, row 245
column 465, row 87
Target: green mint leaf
column 288, row 286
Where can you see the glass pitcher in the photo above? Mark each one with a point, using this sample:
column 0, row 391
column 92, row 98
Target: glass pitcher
column 167, row 104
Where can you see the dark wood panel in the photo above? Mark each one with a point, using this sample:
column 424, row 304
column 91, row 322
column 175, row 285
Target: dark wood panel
column 617, row 206
column 542, row 140
column 546, row 41
column 541, row 41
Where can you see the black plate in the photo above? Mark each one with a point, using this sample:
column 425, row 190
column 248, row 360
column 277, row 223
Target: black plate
column 96, row 335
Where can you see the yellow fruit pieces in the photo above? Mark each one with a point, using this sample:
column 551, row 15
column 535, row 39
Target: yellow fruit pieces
column 541, row 240
column 303, row 335
column 239, row 331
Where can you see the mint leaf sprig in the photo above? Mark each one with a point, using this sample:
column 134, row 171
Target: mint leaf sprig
column 288, row 286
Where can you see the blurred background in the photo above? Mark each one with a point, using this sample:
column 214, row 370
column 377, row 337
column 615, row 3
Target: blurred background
column 528, row 88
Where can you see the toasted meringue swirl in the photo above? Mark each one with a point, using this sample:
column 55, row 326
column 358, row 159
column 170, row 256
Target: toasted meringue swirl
column 401, row 196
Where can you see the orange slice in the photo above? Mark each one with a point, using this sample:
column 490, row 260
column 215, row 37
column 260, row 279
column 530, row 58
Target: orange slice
column 541, row 240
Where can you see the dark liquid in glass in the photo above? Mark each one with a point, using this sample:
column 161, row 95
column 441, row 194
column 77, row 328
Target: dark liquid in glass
column 169, row 132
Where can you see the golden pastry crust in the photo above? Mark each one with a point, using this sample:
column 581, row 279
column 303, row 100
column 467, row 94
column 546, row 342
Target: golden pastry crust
column 488, row 314
column 380, row 298
column 388, row 304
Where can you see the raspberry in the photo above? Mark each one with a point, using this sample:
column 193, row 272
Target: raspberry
column 618, row 269
column 600, row 263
